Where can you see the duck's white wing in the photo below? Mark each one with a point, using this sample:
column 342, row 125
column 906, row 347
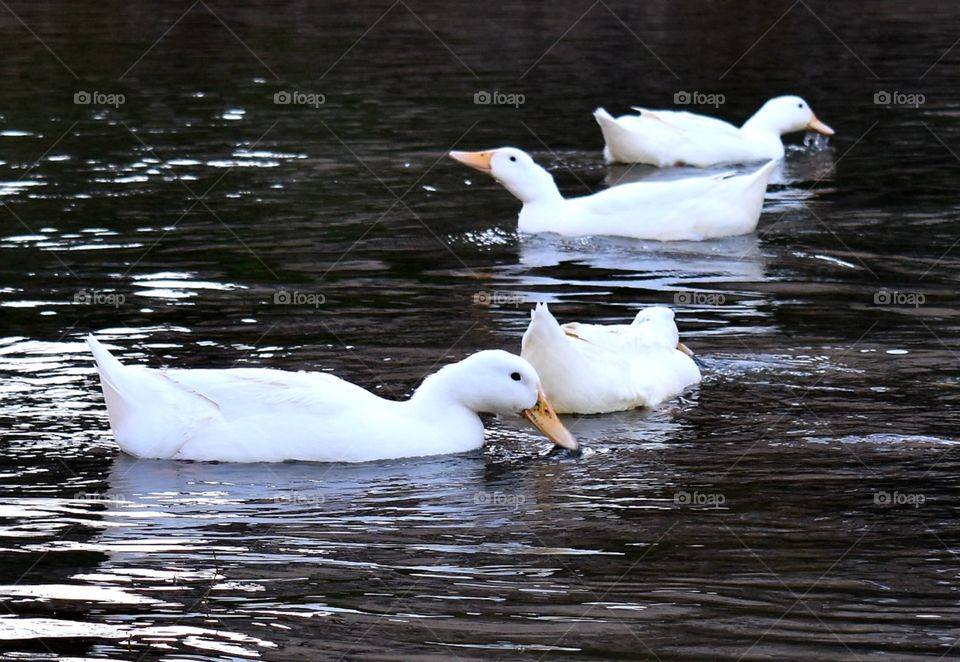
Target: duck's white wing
column 239, row 391
column 271, row 415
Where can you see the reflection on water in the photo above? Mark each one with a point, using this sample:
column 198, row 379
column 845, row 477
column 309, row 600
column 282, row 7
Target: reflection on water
column 640, row 264
column 798, row 504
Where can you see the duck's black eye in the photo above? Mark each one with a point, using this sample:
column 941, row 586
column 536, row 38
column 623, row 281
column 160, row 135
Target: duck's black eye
column 515, row 376
column 799, row 105
column 513, row 158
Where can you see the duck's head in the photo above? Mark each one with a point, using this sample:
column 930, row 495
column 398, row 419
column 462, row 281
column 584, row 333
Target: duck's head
column 498, row 382
column 789, row 114
column 515, row 170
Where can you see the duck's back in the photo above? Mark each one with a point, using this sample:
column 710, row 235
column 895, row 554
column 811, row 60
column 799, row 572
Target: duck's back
column 240, row 392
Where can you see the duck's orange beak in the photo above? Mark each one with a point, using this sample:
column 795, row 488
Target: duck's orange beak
column 819, row 127
column 545, row 419
column 476, row 160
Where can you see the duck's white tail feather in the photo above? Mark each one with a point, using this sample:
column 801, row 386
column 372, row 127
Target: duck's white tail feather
column 755, row 189
column 543, row 327
column 614, row 135
column 636, row 138
column 112, row 381
column 150, row 414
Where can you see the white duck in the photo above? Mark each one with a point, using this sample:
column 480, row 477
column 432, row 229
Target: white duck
column 688, row 209
column 592, row 368
column 262, row 415
column 670, row 138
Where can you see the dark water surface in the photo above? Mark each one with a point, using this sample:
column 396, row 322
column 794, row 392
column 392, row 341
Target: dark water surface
column 800, row 504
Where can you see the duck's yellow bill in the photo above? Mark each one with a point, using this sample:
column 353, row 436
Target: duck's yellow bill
column 686, row 350
column 545, row 419
column 476, row 160
column 819, row 127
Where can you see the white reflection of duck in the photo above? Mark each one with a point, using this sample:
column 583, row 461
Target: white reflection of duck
column 609, row 261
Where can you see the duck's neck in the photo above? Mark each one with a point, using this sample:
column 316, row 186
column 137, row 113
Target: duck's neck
column 440, row 401
column 537, row 188
column 763, row 131
column 764, row 123
column 443, row 391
